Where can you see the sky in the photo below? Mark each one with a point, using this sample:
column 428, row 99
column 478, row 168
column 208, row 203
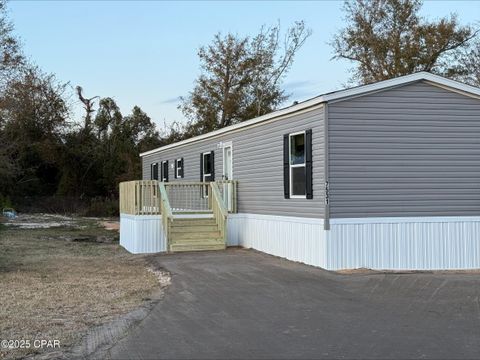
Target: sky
column 145, row 52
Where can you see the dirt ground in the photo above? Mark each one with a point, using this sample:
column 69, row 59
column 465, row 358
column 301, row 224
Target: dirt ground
column 61, row 276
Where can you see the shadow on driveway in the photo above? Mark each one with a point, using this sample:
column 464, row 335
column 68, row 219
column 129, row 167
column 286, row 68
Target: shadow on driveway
column 244, row 304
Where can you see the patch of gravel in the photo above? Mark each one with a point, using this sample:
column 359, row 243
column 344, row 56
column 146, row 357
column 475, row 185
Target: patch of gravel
column 42, row 221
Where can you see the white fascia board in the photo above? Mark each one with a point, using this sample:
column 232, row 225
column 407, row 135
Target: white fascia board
column 401, row 81
column 280, row 114
column 357, row 91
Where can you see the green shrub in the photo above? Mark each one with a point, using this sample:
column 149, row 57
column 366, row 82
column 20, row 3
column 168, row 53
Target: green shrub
column 5, row 202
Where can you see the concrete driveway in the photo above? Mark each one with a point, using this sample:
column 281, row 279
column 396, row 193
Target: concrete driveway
column 243, row 304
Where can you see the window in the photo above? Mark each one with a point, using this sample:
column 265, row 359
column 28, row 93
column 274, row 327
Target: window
column 164, row 171
column 297, row 165
column 179, row 168
column 207, row 169
column 154, row 171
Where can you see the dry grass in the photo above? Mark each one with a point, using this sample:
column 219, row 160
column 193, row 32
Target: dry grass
column 57, row 289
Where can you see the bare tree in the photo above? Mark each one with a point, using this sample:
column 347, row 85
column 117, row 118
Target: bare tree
column 241, row 77
column 88, row 106
column 274, row 59
column 468, row 70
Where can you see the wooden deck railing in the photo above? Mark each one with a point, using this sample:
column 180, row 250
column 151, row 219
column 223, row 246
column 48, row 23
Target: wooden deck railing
column 150, row 197
column 188, row 197
column 194, row 197
column 228, row 192
column 139, row 197
column 143, row 197
column 219, row 210
column 166, row 210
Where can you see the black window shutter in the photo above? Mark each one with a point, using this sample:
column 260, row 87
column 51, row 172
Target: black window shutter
column 166, row 171
column 151, row 172
column 175, row 170
column 308, row 164
column 212, row 159
column 181, row 170
column 201, row 167
column 286, row 167
column 156, row 171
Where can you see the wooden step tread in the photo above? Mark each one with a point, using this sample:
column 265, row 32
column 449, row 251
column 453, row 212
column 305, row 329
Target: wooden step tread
column 198, row 241
column 193, row 229
column 200, row 247
column 193, row 222
column 195, row 235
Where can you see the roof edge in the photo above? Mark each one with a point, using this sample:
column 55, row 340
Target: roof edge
column 338, row 95
column 402, row 80
column 270, row 116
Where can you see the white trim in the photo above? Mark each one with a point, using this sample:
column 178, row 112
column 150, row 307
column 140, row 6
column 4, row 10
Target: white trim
column 205, row 188
column 298, row 197
column 290, row 165
column 404, row 220
column 203, row 164
column 176, row 168
column 402, row 80
column 458, row 91
column 152, row 171
column 295, row 219
column 265, row 119
column 162, row 175
column 319, row 100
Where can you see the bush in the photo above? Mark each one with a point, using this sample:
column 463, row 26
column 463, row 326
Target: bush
column 102, row 207
column 69, row 205
column 5, row 202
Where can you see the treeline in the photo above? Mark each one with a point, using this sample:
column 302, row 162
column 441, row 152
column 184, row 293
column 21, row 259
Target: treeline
column 50, row 161
column 46, row 158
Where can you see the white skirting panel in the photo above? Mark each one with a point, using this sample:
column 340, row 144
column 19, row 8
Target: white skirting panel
column 420, row 243
column 423, row 243
column 142, row 234
column 293, row 238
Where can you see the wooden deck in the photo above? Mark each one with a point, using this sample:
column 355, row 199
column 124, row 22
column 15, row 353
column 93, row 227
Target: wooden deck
column 193, row 214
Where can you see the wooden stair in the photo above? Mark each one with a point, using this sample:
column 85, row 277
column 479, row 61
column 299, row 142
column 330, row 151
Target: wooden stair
column 195, row 234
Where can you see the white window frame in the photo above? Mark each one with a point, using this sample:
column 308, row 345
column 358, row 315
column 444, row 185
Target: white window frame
column 290, row 165
column 152, row 169
column 205, row 190
column 203, row 164
column 177, row 176
column 162, row 175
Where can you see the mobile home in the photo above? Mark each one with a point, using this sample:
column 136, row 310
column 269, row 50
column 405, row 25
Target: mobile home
column 381, row 176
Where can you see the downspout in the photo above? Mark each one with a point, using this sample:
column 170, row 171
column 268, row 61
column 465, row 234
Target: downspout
column 326, row 221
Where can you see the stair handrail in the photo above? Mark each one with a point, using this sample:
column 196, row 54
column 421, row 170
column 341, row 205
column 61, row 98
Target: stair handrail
column 220, row 211
column 166, row 210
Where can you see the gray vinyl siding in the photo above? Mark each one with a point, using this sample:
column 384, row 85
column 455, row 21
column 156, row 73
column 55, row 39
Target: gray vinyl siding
column 257, row 165
column 407, row 151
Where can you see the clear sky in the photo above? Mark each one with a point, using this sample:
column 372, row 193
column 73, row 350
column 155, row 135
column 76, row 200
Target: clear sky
column 144, row 53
